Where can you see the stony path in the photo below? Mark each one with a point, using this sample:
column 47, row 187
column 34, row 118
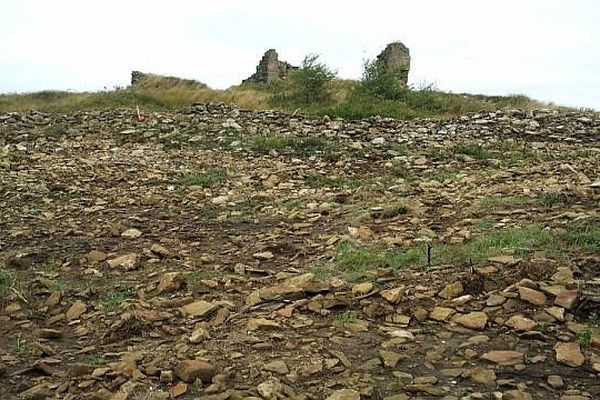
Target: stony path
column 226, row 254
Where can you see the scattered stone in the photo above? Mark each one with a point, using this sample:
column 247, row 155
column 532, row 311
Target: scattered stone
column 80, row 369
column 95, row 256
column 451, row 290
column 131, row 233
column 520, row 323
column 278, row 366
column 393, row 295
column 495, row 300
column 76, row 310
column 485, row 376
column 199, row 335
column 555, row 381
column 361, row 289
column 179, row 389
column 567, row 299
column 189, row 370
column 504, row 357
column 171, row 282
column 516, row 395
column 127, row 261
column 271, row 389
column 441, row 313
column 344, row 394
column 264, row 255
column 160, row 251
column 390, row 358
column 557, row 313
column 472, row 320
column 569, row 354
column 533, row 296
column 199, row 308
column 262, row 324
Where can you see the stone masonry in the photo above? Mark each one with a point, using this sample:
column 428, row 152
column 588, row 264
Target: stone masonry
column 270, row 69
column 137, row 77
column 396, row 59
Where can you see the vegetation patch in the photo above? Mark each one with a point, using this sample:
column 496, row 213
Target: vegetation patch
column 357, row 263
column 553, row 198
column 399, row 169
column 114, row 299
column 209, row 179
column 584, row 235
column 473, row 150
column 442, row 175
column 7, row 281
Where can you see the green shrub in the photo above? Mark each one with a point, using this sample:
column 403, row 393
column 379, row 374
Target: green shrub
column 379, row 83
column 309, row 83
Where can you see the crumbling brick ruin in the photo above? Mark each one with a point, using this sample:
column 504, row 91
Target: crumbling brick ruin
column 395, row 58
column 270, row 69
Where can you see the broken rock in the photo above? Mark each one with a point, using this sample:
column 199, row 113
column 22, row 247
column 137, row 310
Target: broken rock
column 189, row 370
column 569, row 354
column 472, row 320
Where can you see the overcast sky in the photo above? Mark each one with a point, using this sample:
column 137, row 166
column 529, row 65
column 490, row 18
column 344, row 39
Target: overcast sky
column 547, row 49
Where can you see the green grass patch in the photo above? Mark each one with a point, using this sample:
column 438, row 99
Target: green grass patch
column 94, row 360
column 7, row 281
column 321, row 273
column 311, row 145
column 294, row 204
column 483, row 223
column 195, row 278
column 267, row 143
column 584, row 235
column 357, row 263
column 209, row 179
column 473, row 150
column 518, row 241
column 19, row 346
column 584, row 337
column 114, row 299
column 399, row 169
column 347, row 316
column 553, row 198
column 442, row 175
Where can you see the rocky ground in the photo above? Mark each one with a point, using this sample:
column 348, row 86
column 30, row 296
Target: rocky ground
column 225, row 254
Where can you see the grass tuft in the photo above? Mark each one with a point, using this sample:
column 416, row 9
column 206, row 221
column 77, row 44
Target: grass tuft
column 357, row 263
column 115, row 299
column 7, row 281
column 209, row 179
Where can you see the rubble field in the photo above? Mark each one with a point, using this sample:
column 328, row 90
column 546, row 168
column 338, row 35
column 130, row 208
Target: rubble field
column 217, row 253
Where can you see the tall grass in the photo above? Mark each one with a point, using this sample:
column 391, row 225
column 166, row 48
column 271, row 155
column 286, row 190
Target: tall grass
column 345, row 99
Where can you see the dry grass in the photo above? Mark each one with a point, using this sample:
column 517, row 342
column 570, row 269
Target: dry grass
column 156, row 92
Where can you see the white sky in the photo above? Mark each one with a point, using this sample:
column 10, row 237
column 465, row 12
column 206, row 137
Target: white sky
column 547, row 49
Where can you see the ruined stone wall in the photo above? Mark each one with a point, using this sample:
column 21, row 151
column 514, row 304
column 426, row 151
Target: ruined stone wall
column 395, row 58
column 137, row 77
column 270, row 69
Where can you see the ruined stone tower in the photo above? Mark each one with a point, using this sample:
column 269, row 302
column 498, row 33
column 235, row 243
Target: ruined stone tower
column 396, row 59
column 270, row 69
